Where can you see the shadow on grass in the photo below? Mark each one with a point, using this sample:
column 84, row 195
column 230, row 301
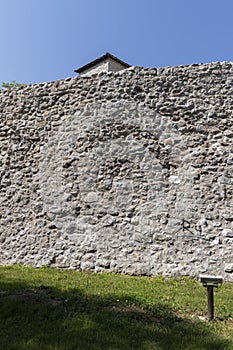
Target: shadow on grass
column 45, row 318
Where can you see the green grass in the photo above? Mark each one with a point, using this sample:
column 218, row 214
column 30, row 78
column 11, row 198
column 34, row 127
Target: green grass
column 49, row 309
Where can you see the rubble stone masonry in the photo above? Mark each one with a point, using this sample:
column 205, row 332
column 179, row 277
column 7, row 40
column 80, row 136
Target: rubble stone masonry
column 129, row 172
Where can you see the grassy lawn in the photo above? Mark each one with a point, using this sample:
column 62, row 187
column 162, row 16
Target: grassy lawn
column 49, row 309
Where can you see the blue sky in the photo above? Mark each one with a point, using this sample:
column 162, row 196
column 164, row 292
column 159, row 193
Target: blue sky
column 45, row 40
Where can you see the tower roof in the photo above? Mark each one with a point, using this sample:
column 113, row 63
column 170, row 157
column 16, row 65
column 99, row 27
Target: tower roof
column 105, row 58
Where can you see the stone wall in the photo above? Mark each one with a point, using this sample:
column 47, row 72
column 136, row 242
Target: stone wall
column 96, row 69
column 114, row 66
column 107, row 65
column 128, row 172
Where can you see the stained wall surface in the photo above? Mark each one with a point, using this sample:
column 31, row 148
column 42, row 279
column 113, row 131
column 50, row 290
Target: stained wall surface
column 129, row 172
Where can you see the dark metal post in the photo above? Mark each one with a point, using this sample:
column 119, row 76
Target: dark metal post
column 210, row 282
column 210, row 293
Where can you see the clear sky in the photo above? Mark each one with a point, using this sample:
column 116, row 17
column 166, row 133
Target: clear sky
column 45, row 40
